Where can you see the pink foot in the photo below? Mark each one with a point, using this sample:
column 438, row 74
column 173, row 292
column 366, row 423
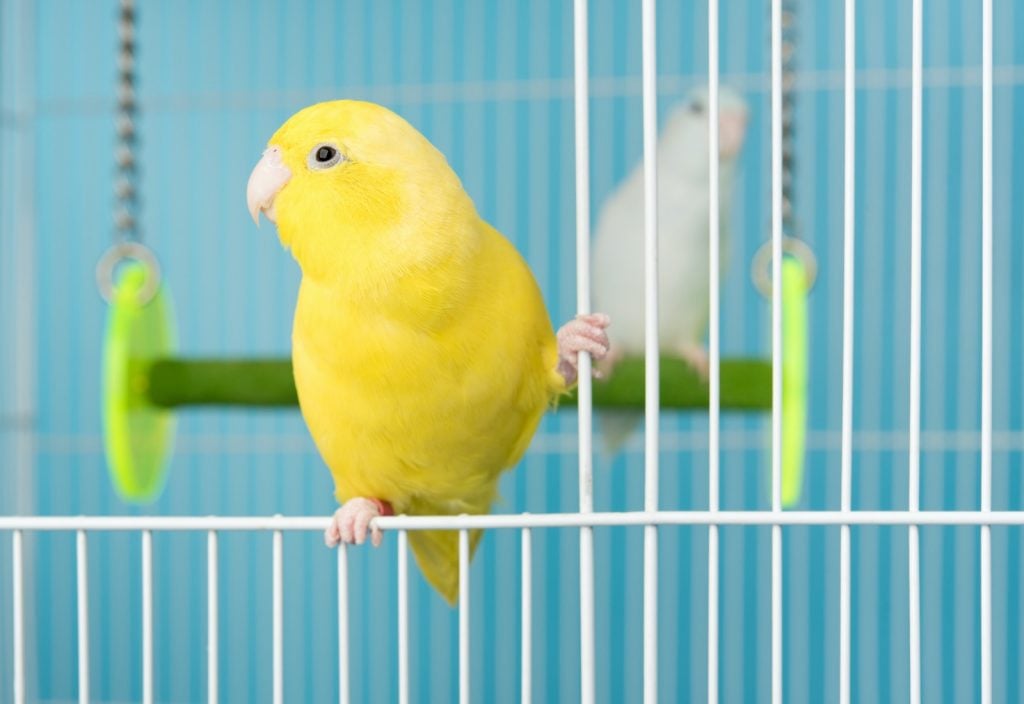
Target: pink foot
column 697, row 356
column 350, row 522
column 585, row 333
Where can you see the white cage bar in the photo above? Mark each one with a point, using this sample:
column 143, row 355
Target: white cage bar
column 914, row 460
column 714, row 352
column 278, row 614
column 584, row 391
column 18, row 617
column 602, row 519
column 82, row 564
column 403, row 617
column 212, row 619
column 776, row 138
column 985, row 565
column 651, row 346
column 526, row 618
column 343, row 650
column 846, row 478
column 464, row 658
column 147, row 617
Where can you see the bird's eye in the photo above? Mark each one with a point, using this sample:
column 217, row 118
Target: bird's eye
column 324, row 156
column 696, row 107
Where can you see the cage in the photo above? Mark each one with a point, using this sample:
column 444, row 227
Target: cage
column 896, row 576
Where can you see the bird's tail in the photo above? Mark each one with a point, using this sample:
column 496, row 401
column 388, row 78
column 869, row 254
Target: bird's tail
column 437, row 553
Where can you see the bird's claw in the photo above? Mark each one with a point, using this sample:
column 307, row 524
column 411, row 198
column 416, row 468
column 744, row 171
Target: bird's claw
column 353, row 520
column 697, row 356
column 604, row 367
column 585, row 333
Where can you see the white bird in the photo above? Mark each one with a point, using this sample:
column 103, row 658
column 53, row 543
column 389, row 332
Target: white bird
column 683, row 224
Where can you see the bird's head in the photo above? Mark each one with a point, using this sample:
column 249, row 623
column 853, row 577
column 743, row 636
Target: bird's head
column 686, row 129
column 345, row 182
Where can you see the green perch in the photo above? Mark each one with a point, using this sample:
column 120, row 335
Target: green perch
column 174, row 382
column 144, row 382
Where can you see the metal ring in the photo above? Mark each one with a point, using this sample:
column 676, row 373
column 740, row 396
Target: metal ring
column 135, row 251
column 760, row 270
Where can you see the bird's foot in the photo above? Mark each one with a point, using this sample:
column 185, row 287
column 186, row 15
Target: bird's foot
column 585, row 333
column 697, row 357
column 351, row 522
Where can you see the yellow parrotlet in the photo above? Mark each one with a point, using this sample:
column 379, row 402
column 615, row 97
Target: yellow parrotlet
column 423, row 353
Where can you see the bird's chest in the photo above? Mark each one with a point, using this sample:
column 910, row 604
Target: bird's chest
column 385, row 402
column 371, row 405
column 364, row 372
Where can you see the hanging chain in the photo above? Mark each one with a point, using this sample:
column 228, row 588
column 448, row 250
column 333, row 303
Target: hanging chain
column 125, row 223
column 789, row 31
column 791, row 244
column 127, row 234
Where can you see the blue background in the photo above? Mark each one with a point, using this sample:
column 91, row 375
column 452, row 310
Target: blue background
column 490, row 83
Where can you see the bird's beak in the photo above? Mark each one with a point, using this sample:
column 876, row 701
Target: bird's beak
column 265, row 182
column 732, row 128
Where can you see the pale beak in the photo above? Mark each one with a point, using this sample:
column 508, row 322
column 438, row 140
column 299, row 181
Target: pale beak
column 265, row 182
column 732, row 129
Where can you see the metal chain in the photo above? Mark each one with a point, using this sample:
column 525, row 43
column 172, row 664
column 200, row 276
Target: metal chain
column 789, row 31
column 125, row 221
column 127, row 234
column 791, row 244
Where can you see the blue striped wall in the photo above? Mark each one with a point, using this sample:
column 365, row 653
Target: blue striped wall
column 490, row 84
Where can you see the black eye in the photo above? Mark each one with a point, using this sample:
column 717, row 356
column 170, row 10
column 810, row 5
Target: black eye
column 323, row 156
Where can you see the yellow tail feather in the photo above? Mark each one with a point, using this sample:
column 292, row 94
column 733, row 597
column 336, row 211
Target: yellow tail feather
column 437, row 554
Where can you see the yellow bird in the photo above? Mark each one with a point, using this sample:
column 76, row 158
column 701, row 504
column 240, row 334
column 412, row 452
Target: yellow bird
column 423, row 353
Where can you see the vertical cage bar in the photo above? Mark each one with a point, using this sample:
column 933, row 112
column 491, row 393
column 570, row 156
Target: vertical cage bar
column 211, row 618
column 81, row 560
column 586, row 484
column 403, row 617
column 526, row 635
column 714, row 374
column 914, row 467
column 776, row 80
column 18, row 601
column 776, row 614
column 147, row 617
column 464, row 617
column 278, row 617
column 986, row 349
column 343, row 651
column 849, row 136
column 650, row 118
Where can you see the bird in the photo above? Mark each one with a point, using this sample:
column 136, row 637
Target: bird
column 618, row 271
column 423, row 353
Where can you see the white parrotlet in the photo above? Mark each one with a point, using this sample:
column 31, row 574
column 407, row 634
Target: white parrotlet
column 683, row 224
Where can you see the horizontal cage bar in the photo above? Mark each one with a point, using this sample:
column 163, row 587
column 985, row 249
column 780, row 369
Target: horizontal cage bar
column 521, row 520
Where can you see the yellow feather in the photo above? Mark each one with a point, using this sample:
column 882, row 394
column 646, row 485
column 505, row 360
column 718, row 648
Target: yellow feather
column 424, row 356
